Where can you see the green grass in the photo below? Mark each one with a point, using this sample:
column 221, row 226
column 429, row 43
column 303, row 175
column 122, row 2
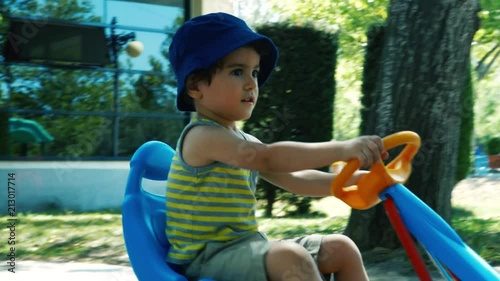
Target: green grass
column 97, row 237
column 481, row 234
column 279, row 228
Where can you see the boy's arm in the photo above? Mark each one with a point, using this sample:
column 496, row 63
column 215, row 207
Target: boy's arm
column 206, row 144
column 311, row 183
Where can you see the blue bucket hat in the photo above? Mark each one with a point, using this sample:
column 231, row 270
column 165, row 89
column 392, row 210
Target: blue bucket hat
column 204, row 40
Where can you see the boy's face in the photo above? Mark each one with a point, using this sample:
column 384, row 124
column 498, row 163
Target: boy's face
column 233, row 92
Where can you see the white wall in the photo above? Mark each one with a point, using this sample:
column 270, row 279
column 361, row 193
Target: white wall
column 67, row 185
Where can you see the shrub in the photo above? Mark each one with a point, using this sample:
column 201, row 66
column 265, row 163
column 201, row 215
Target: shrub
column 297, row 102
column 493, row 146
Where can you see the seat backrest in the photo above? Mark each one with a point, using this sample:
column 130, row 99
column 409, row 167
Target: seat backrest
column 143, row 214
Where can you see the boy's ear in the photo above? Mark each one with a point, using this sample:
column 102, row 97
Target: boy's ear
column 192, row 89
column 194, row 93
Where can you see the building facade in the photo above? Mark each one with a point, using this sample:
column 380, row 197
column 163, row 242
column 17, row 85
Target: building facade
column 66, row 67
column 78, row 112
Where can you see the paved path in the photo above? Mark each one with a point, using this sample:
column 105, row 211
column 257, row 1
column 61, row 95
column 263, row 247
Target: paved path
column 74, row 271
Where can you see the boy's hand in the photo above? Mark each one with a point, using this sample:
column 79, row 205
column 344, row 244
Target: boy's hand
column 367, row 149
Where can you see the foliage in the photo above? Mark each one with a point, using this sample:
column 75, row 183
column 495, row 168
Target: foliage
column 351, row 19
column 489, row 15
column 464, row 160
column 487, row 70
column 291, row 107
column 493, row 146
column 53, row 9
column 487, row 115
column 486, row 47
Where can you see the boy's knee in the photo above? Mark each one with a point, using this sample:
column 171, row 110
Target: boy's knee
column 339, row 241
column 287, row 250
column 337, row 244
column 290, row 261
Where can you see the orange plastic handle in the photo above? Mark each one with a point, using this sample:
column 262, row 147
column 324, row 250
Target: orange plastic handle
column 365, row 194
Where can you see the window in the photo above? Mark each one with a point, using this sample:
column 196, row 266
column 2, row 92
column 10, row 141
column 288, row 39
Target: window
column 69, row 84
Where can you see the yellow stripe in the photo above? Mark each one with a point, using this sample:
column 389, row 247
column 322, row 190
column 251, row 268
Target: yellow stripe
column 223, row 170
column 196, row 198
column 209, row 189
column 177, row 167
column 203, row 228
column 188, row 247
column 226, row 180
column 192, row 227
column 183, row 178
column 208, row 179
column 214, row 236
column 231, row 171
column 182, row 242
column 180, row 256
column 189, row 217
column 202, row 208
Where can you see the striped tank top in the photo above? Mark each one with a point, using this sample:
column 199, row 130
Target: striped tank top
column 214, row 203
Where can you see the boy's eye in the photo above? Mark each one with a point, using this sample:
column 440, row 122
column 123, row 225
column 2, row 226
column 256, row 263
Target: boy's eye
column 240, row 72
column 237, row 72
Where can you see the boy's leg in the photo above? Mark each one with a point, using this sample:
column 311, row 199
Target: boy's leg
column 241, row 259
column 339, row 254
column 288, row 261
column 334, row 254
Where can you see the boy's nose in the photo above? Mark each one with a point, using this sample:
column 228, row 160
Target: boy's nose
column 251, row 83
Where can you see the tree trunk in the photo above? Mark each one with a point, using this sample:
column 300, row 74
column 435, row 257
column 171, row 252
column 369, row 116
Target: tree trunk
column 422, row 75
column 270, row 191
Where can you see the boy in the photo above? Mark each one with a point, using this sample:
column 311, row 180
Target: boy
column 220, row 63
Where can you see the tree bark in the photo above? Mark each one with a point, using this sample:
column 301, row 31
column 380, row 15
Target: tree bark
column 422, row 75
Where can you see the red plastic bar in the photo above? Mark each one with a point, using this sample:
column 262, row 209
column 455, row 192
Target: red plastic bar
column 406, row 239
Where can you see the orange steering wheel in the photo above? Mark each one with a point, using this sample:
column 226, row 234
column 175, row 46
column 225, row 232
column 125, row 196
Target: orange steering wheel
column 365, row 194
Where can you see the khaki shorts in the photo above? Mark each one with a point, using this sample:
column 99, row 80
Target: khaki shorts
column 244, row 259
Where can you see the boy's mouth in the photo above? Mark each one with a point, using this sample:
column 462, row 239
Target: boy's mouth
column 249, row 99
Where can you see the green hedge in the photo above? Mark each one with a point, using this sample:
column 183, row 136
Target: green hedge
column 297, row 102
column 464, row 161
column 493, row 146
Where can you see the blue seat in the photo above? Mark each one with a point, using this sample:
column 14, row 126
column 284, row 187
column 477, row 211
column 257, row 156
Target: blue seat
column 143, row 215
